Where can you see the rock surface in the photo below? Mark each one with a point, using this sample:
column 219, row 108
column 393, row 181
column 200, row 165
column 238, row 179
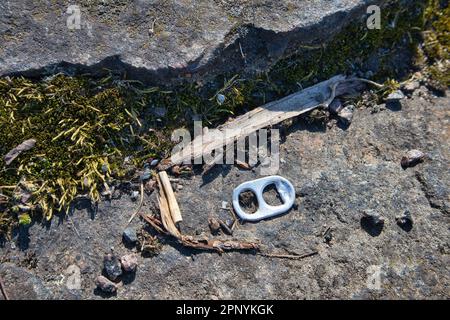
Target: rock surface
column 23, row 283
column 338, row 173
column 163, row 40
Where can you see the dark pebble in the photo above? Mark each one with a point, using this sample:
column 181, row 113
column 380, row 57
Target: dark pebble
column 112, row 266
column 129, row 235
column 105, row 285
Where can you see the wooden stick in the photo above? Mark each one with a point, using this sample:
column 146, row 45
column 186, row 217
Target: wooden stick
column 166, row 217
column 154, row 222
column 267, row 115
column 189, row 241
column 170, row 196
column 289, row 256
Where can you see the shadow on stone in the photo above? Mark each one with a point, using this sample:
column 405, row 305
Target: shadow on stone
column 23, row 236
column 306, row 123
column 394, row 106
column 103, row 294
column 127, row 244
column 343, row 125
column 213, row 173
column 128, row 277
column 372, row 229
column 406, row 226
column 262, row 47
column 84, row 204
column 193, row 252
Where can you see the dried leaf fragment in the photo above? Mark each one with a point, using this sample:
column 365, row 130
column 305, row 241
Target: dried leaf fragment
column 14, row 153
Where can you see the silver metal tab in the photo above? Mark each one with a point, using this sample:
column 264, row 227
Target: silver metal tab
column 284, row 188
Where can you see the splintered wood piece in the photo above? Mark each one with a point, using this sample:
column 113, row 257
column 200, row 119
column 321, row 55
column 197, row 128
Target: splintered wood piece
column 154, row 222
column 166, row 217
column 218, row 245
column 321, row 94
column 170, row 196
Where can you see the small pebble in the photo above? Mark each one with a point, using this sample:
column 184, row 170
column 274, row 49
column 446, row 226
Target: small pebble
column 129, row 235
column 105, row 285
column 220, row 98
column 411, row 86
column 377, row 108
column 150, row 185
column 346, row 114
column 395, row 96
column 134, row 195
column 224, row 205
column 129, row 262
column 112, row 266
column 146, row 174
column 328, row 236
column 374, row 216
column 154, row 162
column 412, row 158
column 214, row 225
column 176, row 170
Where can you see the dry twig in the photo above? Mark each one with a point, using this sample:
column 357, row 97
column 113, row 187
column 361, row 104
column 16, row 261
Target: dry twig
column 167, row 226
column 141, row 201
column 289, row 256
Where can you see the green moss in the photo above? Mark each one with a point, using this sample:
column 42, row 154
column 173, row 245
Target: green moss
column 85, row 127
column 435, row 52
column 24, row 219
column 351, row 49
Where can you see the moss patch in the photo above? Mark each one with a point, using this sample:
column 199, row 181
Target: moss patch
column 83, row 128
column 434, row 54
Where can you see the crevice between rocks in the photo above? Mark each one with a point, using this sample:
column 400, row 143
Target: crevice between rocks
column 430, row 194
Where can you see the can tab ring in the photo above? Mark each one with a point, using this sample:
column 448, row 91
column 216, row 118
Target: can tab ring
column 284, row 188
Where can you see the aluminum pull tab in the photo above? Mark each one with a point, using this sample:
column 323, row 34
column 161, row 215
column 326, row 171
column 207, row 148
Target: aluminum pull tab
column 284, row 188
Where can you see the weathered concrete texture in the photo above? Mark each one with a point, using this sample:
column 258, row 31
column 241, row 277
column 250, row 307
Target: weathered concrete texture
column 338, row 175
column 167, row 38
